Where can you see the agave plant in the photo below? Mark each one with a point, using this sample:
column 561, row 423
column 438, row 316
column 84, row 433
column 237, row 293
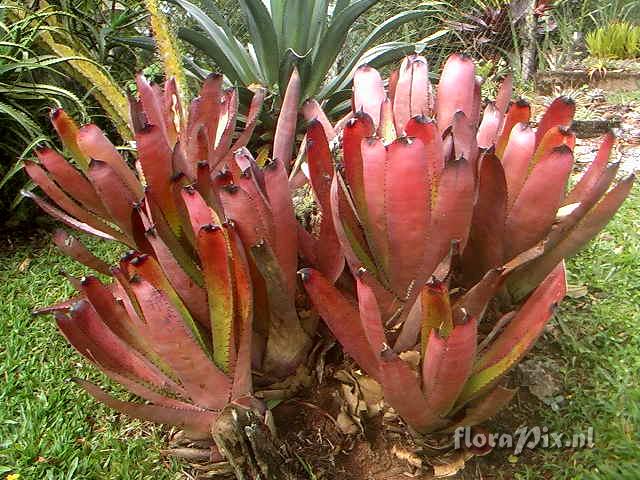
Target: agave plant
column 448, row 223
column 309, row 35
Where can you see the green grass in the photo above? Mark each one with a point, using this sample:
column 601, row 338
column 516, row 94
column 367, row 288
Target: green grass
column 600, row 353
column 49, row 428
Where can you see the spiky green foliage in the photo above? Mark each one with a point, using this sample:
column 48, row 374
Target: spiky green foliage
column 618, row 40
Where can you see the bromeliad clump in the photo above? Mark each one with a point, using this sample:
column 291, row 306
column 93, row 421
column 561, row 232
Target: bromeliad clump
column 455, row 221
column 208, row 291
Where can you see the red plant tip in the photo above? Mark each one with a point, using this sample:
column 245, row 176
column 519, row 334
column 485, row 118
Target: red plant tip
column 423, row 119
column 177, row 176
column 564, row 148
column 210, row 227
column 387, row 354
column 128, row 256
column 41, row 147
column 139, row 260
column 522, row 103
column 88, row 280
column 565, row 131
column 567, row 100
column 151, row 231
column 371, row 140
column 55, row 113
column 224, row 175
column 359, row 115
column 231, row 188
column 464, row 56
column 523, row 126
column 361, row 271
column 189, row 189
column 229, row 224
column 135, row 279
column 270, row 164
column 202, row 164
column 138, row 205
column 79, row 305
column 148, row 127
column 246, row 173
column 259, row 244
column 404, row 140
column 305, row 274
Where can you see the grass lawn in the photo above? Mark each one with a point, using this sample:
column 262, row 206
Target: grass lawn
column 50, row 429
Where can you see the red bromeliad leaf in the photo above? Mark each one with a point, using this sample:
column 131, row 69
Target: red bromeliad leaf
column 524, row 279
column 476, row 107
column 517, row 338
column 200, row 214
column 475, row 301
column 485, row 248
column 240, row 207
column 412, row 91
column 68, row 220
column 152, row 104
column 435, row 312
column 287, row 343
column 503, row 97
column 484, row 408
column 544, row 190
column 284, row 137
column 330, row 260
column 88, row 333
column 118, row 199
column 226, row 127
column 554, row 138
column 452, row 212
column 204, row 110
column 174, row 342
column 193, row 421
column 592, row 176
column 370, row 313
column 368, row 92
column 243, row 304
column 286, row 239
column 311, row 110
column 427, row 131
column 386, row 128
column 355, row 131
column 565, row 224
column 528, row 322
column 516, row 159
column 455, row 90
column 464, row 138
column 559, row 114
column 214, row 250
column 68, row 132
column 407, row 204
column 74, row 248
column 401, row 389
column 155, row 157
column 489, row 127
column 374, row 155
column 447, row 365
column 349, row 229
column 342, row 318
column 71, row 180
column 519, row 112
column 39, row 176
column 94, row 144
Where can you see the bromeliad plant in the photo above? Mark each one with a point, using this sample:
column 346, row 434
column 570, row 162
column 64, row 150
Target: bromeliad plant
column 455, row 228
column 209, row 289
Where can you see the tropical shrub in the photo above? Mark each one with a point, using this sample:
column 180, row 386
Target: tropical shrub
column 446, row 256
column 618, row 40
column 449, row 224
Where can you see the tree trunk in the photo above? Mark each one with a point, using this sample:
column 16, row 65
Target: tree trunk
column 529, row 42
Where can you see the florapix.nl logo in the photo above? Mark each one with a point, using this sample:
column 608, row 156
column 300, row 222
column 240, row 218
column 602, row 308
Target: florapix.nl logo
column 523, row 438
